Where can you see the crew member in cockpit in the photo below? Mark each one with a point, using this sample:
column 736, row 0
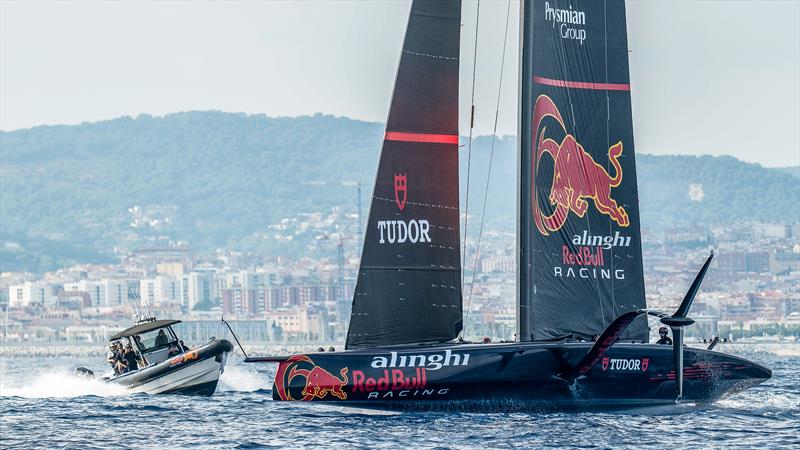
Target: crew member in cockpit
column 161, row 339
column 665, row 340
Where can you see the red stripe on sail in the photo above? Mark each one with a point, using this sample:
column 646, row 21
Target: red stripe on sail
column 582, row 84
column 421, row 137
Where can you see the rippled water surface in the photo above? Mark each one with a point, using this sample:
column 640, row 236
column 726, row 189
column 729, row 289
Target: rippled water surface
column 43, row 405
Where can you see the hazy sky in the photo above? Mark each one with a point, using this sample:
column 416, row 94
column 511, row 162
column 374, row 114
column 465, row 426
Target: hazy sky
column 717, row 77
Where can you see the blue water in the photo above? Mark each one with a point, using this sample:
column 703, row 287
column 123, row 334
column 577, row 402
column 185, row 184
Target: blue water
column 43, row 405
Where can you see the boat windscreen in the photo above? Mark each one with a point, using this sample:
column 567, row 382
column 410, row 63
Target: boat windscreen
column 156, row 339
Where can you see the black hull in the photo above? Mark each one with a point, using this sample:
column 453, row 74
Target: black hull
column 203, row 389
column 193, row 373
column 514, row 376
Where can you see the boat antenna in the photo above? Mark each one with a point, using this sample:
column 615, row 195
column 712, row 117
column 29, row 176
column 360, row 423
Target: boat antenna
column 141, row 309
column 488, row 171
column 146, row 306
column 469, row 146
column 134, row 305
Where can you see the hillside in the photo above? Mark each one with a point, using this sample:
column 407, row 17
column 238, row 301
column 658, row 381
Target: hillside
column 792, row 170
column 71, row 193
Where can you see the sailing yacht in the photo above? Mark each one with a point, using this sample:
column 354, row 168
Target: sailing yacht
column 582, row 336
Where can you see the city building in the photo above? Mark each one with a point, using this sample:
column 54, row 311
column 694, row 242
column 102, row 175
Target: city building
column 31, row 293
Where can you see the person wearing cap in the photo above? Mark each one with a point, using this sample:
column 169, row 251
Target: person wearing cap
column 665, row 340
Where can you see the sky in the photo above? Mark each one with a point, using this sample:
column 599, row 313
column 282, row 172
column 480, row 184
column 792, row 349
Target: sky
column 708, row 77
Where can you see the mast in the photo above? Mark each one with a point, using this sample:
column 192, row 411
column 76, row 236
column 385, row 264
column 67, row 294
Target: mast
column 524, row 259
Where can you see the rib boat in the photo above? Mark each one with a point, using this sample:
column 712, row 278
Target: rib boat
column 166, row 366
column 583, row 335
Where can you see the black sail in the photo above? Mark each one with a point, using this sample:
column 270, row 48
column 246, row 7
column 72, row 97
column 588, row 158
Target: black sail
column 408, row 288
column 581, row 258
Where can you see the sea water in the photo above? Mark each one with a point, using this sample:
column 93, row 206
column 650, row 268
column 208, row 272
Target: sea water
column 43, row 405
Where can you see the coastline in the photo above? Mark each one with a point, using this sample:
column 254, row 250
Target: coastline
column 51, row 349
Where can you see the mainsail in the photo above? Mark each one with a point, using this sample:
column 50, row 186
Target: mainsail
column 408, row 288
column 580, row 244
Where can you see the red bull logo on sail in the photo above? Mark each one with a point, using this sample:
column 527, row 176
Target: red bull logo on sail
column 577, row 178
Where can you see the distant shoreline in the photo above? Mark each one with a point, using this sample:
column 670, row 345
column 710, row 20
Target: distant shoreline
column 34, row 350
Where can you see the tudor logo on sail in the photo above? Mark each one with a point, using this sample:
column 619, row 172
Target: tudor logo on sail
column 402, row 231
column 577, row 178
column 400, row 190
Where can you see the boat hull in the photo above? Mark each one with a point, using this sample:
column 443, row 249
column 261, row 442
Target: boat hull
column 194, row 373
column 511, row 376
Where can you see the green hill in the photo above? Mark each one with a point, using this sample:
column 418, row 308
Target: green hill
column 72, row 193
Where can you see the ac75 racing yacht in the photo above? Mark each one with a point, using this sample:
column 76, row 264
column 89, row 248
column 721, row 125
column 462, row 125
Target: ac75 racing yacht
column 582, row 338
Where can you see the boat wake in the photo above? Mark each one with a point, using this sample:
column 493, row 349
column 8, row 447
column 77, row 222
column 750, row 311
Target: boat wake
column 238, row 378
column 765, row 403
column 62, row 384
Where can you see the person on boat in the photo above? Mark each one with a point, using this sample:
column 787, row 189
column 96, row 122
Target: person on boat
column 130, row 359
column 173, row 350
column 665, row 340
column 111, row 356
column 161, row 339
column 183, row 347
column 119, row 359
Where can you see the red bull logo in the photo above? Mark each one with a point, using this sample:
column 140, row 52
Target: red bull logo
column 576, row 176
column 319, row 383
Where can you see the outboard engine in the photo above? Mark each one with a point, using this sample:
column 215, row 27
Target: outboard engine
column 83, row 372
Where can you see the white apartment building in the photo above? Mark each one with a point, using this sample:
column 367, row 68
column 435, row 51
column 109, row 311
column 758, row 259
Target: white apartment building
column 30, row 293
column 94, row 288
column 160, row 290
column 105, row 292
column 502, row 264
column 199, row 289
column 250, row 280
column 302, row 322
column 116, row 292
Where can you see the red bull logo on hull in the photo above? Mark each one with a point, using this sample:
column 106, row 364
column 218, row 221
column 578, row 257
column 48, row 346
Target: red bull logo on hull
column 577, row 178
column 319, row 383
